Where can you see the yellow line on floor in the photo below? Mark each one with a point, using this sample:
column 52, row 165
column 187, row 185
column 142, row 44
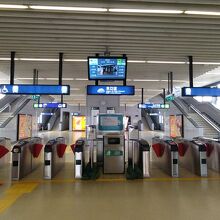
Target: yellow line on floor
column 14, row 192
column 152, row 179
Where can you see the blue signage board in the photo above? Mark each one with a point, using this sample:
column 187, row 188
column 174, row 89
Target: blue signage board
column 107, row 68
column 50, row 105
column 110, row 90
column 200, row 91
column 34, row 89
column 153, row 106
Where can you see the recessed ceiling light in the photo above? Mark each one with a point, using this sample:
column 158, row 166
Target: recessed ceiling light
column 75, row 60
column 146, row 80
column 127, row 10
column 13, row 6
column 81, row 79
column 38, row 59
column 136, row 61
column 215, row 13
column 166, row 62
column 61, row 8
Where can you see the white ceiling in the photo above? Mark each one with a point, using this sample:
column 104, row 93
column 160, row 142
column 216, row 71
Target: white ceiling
column 170, row 37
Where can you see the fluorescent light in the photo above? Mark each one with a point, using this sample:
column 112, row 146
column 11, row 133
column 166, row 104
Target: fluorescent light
column 215, row 13
column 206, row 63
column 61, row 8
column 75, row 60
column 175, row 80
column 166, row 62
column 74, row 89
column 127, row 10
column 81, row 79
column 38, row 59
column 13, row 6
column 154, row 90
column 136, row 61
column 146, row 80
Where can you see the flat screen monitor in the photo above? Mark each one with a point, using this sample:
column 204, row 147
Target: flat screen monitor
column 110, row 122
column 107, row 68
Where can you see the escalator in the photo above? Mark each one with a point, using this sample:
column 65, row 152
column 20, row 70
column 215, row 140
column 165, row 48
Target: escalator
column 53, row 123
column 203, row 115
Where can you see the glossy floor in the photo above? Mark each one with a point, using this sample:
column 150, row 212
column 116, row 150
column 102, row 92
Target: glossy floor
column 159, row 197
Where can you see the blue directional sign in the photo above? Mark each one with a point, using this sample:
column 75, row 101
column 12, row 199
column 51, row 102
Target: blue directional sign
column 50, row 105
column 34, row 89
column 200, row 91
column 110, row 90
column 153, row 106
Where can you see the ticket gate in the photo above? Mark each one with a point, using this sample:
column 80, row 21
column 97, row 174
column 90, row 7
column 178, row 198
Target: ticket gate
column 5, row 147
column 54, row 159
column 139, row 162
column 26, row 157
column 166, row 151
column 213, row 153
column 193, row 156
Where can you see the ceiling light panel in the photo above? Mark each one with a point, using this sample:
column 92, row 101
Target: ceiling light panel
column 60, row 8
column 6, row 6
column 212, row 13
column 127, row 10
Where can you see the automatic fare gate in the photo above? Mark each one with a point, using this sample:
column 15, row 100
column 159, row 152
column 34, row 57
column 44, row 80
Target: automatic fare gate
column 213, row 152
column 166, row 151
column 25, row 157
column 54, row 158
column 5, row 145
column 193, row 156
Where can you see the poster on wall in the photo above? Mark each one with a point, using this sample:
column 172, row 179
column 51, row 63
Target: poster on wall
column 176, row 126
column 24, row 126
column 79, row 123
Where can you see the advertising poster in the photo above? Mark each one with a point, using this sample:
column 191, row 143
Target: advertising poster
column 24, row 126
column 176, row 126
column 79, row 123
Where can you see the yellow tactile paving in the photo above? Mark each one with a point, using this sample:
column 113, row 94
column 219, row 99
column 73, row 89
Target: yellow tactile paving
column 14, row 192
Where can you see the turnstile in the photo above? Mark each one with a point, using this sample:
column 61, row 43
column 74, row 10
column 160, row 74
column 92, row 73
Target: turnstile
column 166, row 151
column 213, row 153
column 193, row 156
column 5, row 147
column 25, row 157
column 114, row 153
column 139, row 161
column 78, row 149
column 54, row 158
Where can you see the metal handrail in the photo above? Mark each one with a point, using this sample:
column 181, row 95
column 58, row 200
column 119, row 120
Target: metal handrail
column 25, row 100
column 181, row 108
column 205, row 118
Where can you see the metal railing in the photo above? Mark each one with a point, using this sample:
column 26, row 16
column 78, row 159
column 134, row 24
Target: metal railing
column 210, row 122
column 182, row 108
column 19, row 106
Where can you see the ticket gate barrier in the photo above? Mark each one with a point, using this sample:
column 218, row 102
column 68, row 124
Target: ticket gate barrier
column 139, row 163
column 5, row 146
column 85, row 163
column 54, row 159
column 193, row 156
column 213, row 153
column 26, row 157
column 166, row 151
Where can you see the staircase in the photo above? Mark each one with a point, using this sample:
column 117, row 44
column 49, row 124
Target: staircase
column 208, row 130
column 4, row 117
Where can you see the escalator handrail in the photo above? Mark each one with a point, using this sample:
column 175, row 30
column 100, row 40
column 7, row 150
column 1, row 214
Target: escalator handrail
column 13, row 114
column 205, row 118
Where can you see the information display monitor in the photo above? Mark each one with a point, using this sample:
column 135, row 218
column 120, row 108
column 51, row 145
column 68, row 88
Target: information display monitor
column 110, row 122
column 107, row 68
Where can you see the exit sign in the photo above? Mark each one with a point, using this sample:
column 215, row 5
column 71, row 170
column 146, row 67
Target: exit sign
column 169, row 98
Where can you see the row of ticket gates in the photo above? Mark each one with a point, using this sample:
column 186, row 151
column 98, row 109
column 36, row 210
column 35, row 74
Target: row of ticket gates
column 197, row 155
